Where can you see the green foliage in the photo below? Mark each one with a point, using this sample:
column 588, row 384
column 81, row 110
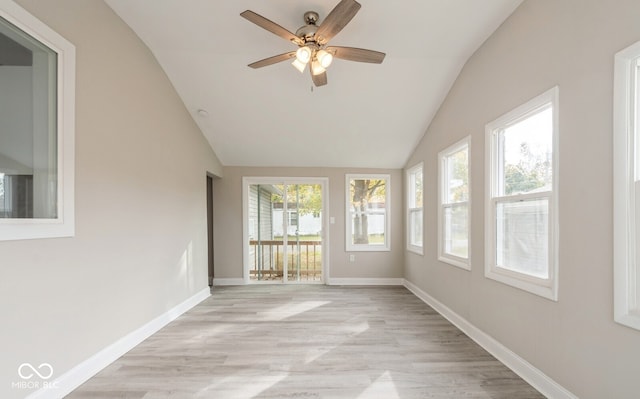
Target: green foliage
column 418, row 190
column 307, row 196
column 531, row 173
column 460, row 174
column 365, row 191
column 519, row 180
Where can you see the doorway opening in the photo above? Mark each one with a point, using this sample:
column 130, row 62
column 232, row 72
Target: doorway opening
column 210, row 228
column 284, row 230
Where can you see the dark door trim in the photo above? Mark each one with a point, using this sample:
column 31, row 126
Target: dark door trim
column 210, row 227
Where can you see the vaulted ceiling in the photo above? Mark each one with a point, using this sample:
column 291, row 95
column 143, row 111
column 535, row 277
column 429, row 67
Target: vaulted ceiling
column 367, row 115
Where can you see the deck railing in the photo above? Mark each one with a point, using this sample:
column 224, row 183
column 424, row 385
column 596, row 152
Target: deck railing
column 304, row 260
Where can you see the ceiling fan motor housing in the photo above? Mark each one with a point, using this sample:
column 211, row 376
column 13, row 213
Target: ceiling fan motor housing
column 307, row 32
column 311, row 17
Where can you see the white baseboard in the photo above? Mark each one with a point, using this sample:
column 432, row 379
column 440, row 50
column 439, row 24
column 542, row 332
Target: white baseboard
column 540, row 381
column 228, row 281
column 78, row 375
column 331, row 281
column 365, row 281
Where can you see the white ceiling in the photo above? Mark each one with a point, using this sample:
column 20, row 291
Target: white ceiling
column 367, row 116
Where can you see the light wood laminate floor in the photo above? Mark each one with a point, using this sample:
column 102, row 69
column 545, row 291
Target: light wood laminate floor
column 308, row 341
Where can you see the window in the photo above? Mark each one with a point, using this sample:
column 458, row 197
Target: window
column 367, row 213
column 521, row 220
column 453, row 212
column 414, row 209
column 37, row 68
column 626, row 184
column 293, row 218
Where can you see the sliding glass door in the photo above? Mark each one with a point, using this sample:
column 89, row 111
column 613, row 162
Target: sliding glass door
column 284, row 230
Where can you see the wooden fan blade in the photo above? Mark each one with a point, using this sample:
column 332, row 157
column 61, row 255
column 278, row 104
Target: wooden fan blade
column 337, row 19
column 319, row 79
column 273, row 60
column 271, row 26
column 356, row 54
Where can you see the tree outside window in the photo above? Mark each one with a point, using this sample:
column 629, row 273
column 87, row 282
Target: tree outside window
column 367, row 208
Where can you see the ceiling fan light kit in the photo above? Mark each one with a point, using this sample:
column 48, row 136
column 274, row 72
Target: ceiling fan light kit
column 324, row 58
column 312, row 40
column 316, row 68
column 300, row 66
column 304, row 54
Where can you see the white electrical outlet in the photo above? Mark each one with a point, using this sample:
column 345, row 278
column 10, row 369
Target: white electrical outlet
column 352, row 258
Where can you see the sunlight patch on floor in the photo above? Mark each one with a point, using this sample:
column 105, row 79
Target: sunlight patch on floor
column 382, row 387
column 244, row 385
column 289, row 310
column 349, row 330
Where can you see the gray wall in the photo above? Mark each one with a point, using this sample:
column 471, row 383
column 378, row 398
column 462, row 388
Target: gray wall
column 570, row 43
column 228, row 223
column 140, row 244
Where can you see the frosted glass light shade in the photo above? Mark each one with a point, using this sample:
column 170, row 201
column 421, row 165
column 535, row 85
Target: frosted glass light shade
column 298, row 65
column 324, row 58
column 303, row 54
column 316, row 68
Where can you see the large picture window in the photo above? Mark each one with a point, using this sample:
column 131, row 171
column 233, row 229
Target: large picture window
column 453, row 213
column 627, row 187
column 36, row 128
column 367, row 212
column 414, row 209
column 521, row 218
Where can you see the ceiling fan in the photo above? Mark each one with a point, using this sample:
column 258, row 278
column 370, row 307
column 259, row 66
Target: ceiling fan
column 312, row 40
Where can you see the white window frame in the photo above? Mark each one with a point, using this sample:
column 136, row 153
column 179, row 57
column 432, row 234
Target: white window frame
column 443, row 256
column 387, row 235
column 547, row 288
column 626, row 156
column 412, row 208
column 64, row 224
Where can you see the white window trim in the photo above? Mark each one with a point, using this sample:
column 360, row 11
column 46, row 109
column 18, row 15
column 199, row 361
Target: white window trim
column 64, row 224
column 626, row 176
column 410, row 247
column 463, row 263
column 387, row 236
column 546, row 288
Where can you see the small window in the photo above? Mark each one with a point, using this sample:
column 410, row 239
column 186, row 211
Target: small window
column 414, row 209
column 626, row 186
column 293, row 218
column 521, row 219
column 367, row 213
column 37, row 68
column 453, row 213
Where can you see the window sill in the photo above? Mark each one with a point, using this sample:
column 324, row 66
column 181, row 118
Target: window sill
column 543, row 288
column 455, row 261
column 27, row 229
column 368, row 249
column 631, row 319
